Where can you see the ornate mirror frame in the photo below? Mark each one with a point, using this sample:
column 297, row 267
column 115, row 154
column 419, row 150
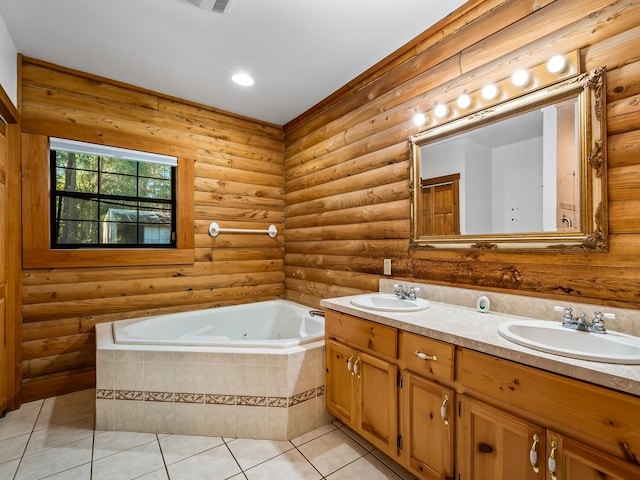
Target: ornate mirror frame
column 590, row 89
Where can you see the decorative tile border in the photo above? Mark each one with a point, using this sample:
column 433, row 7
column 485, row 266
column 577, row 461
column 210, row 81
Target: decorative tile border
column 212, row 398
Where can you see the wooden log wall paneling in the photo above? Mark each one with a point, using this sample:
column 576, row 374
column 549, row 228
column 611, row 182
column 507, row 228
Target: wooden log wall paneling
column 347, row 159
column 238, row 182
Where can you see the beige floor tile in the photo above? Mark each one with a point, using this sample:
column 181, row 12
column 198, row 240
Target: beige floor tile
column 8, row 469
column 21, row 421
column 332, row 451
column 178, row 447
column 83, row 472
column 109, row 443
column 155, row 475
column 129, row 464
column 249, row 453
column 358, row 438
column 55, row 460
column 57, row 413
column 214, row 464
column 13, row 448
column 398, row 469
column 318, row 432
column 59, row 435
column 368, row 467
column 290, row 466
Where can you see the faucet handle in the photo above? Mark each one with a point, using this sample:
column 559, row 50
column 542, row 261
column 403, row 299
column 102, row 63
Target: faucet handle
column 567, row 318
column 597, row 326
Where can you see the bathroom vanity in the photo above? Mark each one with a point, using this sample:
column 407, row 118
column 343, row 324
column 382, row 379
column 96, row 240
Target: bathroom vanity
column 440, row 392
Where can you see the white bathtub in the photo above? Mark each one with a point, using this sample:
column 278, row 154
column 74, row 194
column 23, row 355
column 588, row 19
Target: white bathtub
column 248, row 371
column 270, row 324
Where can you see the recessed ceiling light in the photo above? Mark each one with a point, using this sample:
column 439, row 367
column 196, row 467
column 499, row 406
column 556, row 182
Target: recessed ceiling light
column 243, row 79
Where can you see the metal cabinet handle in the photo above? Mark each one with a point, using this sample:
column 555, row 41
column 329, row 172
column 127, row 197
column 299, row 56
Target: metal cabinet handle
column 443, row 410
column 356, row 371
column 349, row 364
column 551, row 463
column 424, row 356
column 533, row 453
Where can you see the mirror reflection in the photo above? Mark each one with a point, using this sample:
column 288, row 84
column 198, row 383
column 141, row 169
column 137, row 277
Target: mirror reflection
column 526, row 173
column 520, row 174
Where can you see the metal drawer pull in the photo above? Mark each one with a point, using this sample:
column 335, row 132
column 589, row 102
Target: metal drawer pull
column 424, row 356
column 355, row 368
column 533, row 453
column 349, row 364
column 552, row 460
column 443, row 410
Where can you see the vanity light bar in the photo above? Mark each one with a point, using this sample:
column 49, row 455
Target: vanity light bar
column 558, row 67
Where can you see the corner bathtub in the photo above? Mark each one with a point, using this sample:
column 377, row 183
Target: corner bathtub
column 250, row 371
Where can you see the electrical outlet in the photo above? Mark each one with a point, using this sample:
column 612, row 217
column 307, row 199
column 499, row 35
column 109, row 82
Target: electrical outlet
column 386, row 269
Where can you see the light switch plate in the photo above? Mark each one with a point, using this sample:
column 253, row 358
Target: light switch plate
column 386, row 269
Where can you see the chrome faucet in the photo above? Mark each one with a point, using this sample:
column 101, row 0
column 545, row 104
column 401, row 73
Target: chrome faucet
column 403, row 294
column 581, row 323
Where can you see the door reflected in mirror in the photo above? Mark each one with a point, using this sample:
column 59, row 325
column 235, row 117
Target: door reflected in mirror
column 524, row 174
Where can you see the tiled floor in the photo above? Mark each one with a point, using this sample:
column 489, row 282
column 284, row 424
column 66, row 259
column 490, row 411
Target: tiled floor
column 55, row 439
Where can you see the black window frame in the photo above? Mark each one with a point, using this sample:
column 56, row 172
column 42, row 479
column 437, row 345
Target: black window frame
column 56, row 195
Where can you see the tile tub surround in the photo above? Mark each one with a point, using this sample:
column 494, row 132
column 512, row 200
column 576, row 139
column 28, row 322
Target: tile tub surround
column 452, row 319
column 275, row 394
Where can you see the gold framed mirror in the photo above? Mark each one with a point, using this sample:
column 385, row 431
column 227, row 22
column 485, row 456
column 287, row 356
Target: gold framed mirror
column 528, row 173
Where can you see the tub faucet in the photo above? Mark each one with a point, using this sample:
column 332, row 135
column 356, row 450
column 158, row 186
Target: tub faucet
column 403, row 294
column 316, row 313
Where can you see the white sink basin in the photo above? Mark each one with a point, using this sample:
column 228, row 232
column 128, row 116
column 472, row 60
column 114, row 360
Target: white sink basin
column 389, row 302
column 610, row 347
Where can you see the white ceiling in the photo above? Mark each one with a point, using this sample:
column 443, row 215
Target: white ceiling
column 298, row 51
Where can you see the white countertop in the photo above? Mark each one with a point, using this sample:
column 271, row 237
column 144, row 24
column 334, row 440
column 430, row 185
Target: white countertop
column 477, row 331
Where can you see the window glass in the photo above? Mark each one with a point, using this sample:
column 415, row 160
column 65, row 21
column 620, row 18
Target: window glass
column 102, row 199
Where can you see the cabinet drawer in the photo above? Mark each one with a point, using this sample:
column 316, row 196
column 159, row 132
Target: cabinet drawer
column 362, row 334
column 439, row 356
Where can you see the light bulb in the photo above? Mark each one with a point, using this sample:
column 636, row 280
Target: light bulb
column 520, row 78
column 556, row 64
column 242, row 79
column 419, row 119
column 489, row 92
column 441, row 110
column 464, row 101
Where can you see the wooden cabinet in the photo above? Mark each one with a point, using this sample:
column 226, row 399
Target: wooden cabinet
column 496, row 445
column 428, row 413
column 455, row 414
column 361, row 392
column 573, row 460
column 501, row 446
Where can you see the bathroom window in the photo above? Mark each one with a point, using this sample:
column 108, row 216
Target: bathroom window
column 106, row 197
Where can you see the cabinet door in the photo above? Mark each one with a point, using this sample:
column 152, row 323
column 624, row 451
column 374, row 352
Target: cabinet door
column 377, row 400
column 497, row 446
column 340, row 382
column 568, row 459
column 427, row 435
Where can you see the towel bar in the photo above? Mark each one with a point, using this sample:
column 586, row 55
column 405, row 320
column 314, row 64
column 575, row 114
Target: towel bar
column 215, row 230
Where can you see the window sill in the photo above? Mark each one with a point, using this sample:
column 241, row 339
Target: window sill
column 46, row 258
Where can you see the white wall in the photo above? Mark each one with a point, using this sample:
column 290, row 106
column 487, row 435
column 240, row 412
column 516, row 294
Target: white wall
column 517, row 205
column 8, row 64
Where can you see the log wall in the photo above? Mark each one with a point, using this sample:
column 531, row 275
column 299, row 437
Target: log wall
column 238, row 182
column 335, row 181
column 347, row 159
